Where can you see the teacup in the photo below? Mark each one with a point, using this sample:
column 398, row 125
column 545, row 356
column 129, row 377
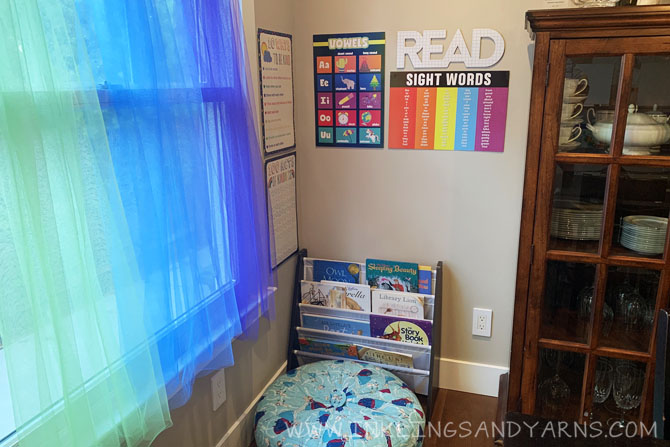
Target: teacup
column 574, row 87
column 568, row 134
column 571, row 111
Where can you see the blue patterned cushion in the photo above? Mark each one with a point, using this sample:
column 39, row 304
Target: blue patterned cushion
column 339, row 404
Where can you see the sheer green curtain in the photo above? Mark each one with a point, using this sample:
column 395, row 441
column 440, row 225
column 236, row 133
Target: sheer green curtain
column 59, row 257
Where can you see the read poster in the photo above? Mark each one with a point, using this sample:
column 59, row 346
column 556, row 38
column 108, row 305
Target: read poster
column 448, row 110
column 349, row 89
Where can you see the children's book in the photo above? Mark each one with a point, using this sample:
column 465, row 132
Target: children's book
column 326, row 348
column 322, row 294
column 358, row 295
column 340, row 271
column 385, row 357
column 390, row 275
column 399, row 304
column 425, row 279
column 401, row 329
column 334, row 324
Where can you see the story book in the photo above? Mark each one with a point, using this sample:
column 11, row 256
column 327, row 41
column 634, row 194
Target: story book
column 358, row 295
column 334, row 324
column 326, row 348
column 340, row 271
column 425, row 279
column 321, row 294
column 399, row 304
column 407, row 330
column 385, row 357
column 391, row 275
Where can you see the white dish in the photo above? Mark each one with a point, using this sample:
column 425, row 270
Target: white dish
column 642, row 131
column 648, row 222
column 644, row 234
column 637, row 151
column 643, row 241
column 574, row 99
column 568, row 146
column 643, row 250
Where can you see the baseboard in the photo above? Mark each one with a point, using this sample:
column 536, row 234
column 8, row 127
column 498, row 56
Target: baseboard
column 241, row 432
column 476, row 378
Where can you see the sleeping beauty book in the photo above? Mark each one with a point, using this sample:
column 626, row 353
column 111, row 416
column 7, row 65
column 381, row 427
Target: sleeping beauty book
column 391, row 275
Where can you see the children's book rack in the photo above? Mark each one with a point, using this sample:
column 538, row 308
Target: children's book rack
column 422, row 378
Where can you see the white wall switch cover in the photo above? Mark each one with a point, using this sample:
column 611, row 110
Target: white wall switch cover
column 218, row 389
column 481, row 322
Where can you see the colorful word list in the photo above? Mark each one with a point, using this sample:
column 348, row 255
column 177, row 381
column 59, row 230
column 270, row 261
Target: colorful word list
column 349, row 89
column 448, row 110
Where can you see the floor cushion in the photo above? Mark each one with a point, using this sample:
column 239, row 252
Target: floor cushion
column 338, row 403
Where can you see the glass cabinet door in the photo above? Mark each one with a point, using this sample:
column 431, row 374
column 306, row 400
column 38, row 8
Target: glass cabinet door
column 600, row 269
column 590, row 89
column 647, row 130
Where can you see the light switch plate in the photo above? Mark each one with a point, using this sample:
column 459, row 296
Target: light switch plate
column 218, row 389
column 481, row 322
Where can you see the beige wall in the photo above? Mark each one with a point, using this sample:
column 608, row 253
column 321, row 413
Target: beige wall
column 424, row 206
column 256, row 361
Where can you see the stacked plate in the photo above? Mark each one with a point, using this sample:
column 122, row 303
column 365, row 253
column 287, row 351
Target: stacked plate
column 577, row 221
column 644, row 234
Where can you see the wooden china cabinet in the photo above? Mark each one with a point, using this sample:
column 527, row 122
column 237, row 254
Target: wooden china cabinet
column 594, row 257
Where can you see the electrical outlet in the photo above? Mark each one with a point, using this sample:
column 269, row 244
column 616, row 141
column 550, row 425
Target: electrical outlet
column 481, row 322
column 218, row 389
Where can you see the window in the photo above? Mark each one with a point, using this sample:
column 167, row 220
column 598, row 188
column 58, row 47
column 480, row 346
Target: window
column 133, row 212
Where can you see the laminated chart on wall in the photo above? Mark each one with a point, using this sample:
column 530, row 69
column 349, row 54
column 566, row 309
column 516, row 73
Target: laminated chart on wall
column 349, row 89
column 275, row 57
column 448, row 110
column 280, row 173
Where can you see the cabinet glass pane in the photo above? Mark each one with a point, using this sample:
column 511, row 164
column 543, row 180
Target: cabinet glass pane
column 559, row 384
column 577, row 214
column 589, row 97
column 631, row 297
column 617, row 390
column 568, row 300
column 641, row 218
column 647, row 131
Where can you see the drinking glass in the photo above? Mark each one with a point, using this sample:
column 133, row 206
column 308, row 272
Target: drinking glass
column 603, row 383
column 621, row 292
column 608, row 319
column 634, row 309
column 627, row 389
column 585, row 299
column 554, row 391
column 554, row 394
column 649, row 316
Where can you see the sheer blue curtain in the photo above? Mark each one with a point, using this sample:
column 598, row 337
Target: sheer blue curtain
column 133, row 223
column 177, row 104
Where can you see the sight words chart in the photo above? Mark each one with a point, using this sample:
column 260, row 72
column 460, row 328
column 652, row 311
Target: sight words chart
column 448, row 110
